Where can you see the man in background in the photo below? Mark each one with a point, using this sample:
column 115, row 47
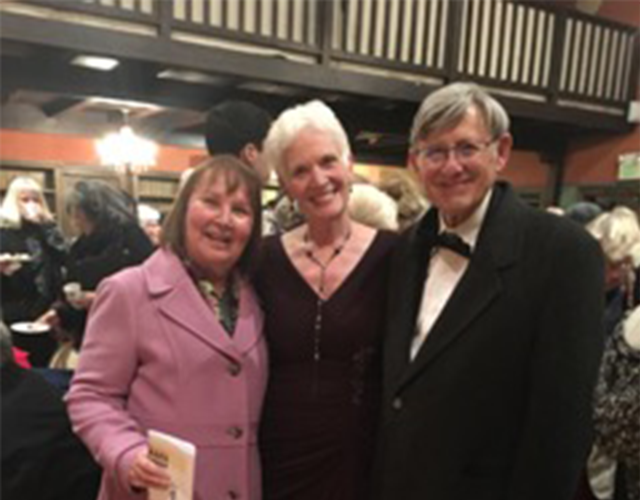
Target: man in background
column 238, row 128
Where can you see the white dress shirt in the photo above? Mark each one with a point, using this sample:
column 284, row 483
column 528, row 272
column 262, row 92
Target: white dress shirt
column 446, row 268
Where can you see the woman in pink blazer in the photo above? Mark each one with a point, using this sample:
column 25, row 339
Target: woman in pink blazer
column 176, row 345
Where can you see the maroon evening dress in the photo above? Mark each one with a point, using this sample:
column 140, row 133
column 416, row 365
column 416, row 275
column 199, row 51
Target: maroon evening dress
column 319, row 421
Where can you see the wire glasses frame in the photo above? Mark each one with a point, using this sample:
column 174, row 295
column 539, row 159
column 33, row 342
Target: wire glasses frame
column 437, row 156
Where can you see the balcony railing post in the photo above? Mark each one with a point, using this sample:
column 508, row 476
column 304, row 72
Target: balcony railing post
column 557, row 52
column 453, row 34
column 634, row 74
column 165, row 14
column 325, row 30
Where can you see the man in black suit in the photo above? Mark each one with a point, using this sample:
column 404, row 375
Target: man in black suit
column 494, row 330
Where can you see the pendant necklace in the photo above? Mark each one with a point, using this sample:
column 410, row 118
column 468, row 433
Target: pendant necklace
column 317, row 329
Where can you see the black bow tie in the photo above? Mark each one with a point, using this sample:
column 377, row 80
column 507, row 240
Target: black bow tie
column 453, row 242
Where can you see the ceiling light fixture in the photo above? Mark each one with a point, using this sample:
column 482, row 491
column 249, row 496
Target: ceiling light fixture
column 126, row 152
column 95, row 62
column 192, row 77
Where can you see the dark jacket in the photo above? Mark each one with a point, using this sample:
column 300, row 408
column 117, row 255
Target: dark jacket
column 41, row 457
column 96, row 256
column 497, row 403
column 30, row 291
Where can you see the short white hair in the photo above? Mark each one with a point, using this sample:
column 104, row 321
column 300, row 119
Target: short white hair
column 372, row 207
column 618, row 233
column 10, row 210
column 313, row 115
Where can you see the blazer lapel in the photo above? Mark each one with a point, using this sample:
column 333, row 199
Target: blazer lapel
column 496, row 249
column 409, row 272
column 179, row 301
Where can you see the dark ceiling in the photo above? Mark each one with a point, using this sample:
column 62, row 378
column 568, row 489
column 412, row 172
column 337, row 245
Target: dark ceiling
column 41, row 90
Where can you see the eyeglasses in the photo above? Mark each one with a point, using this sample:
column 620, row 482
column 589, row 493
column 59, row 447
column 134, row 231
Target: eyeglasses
column 437, row 156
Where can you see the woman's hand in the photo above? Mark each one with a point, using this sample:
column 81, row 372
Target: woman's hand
column 145, row 474
column 50, row 318
column 8, row 268
column 82, row 301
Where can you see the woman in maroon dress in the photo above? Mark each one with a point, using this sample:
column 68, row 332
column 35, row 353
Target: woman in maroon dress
column 323, row 287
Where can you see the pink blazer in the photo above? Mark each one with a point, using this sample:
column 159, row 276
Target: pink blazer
column 155, row 356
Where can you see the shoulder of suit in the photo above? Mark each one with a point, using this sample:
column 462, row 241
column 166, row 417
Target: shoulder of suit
column 558, row 229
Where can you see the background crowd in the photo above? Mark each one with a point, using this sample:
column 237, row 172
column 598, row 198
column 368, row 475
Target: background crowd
column 347, row 341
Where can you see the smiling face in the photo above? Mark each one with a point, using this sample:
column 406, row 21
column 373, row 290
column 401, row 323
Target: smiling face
column 317, row 174
column 458, row 186
column 218, row 226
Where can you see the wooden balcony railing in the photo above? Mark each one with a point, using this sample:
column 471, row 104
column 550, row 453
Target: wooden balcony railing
column 553, row 55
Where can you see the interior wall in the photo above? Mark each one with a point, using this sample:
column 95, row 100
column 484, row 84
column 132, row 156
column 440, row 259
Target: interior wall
column 594, row 160
column 525, row 169
column 73, row 150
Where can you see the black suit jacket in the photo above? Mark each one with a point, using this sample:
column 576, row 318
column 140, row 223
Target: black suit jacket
column 497, row 403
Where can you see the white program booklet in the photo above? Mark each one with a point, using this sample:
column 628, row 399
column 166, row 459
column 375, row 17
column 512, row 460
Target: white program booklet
column 179, row 457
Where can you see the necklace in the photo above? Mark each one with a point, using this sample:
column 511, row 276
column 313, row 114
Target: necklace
column 337, row 250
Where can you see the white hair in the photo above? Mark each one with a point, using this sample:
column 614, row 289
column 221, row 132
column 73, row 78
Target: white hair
column 147, row 214
column 314, row 115
column 10, row 210
column 618, row 233
column 372, row 207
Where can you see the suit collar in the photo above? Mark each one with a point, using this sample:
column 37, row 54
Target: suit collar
column 497, row 248
column 180, row 301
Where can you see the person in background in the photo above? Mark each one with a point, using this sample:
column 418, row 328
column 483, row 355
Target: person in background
column 323, row 286
column 176, row 345
column 618, row 234
column 110, row 240
column 238, row 128
column 150, row 221
column 372, row 207
column 617, row 407
column 41, row 457
column 410, row 201
column 494, row 335
column 27, row 229
column 583, row 212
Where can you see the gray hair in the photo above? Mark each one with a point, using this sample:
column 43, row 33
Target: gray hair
column 583, row 212
column 372, row 207
column 102, row 203
column 618, row 233
column 10, row 205
column 314, row 115
column 446, row 108
column 6, row 345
